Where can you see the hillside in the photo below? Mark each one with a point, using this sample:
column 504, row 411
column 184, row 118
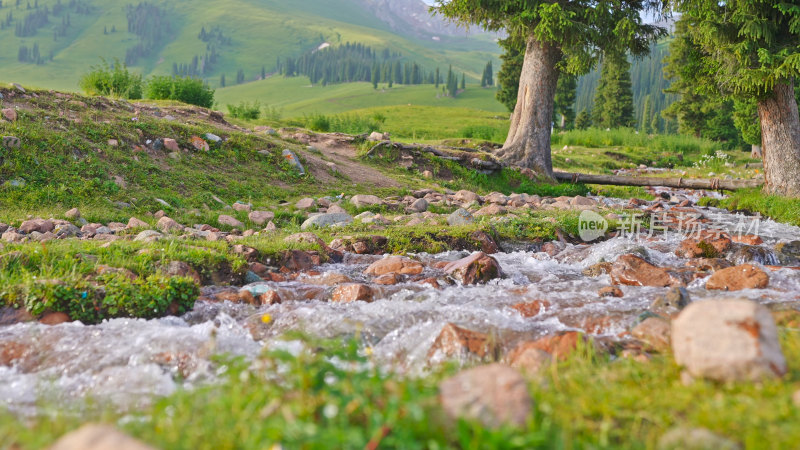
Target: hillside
column 295, row 97
column 53, row 42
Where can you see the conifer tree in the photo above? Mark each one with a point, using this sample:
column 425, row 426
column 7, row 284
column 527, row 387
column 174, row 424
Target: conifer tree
column 613, row 106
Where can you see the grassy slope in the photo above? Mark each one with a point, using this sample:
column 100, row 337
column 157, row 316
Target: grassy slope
column 262, row 30
column 295, row 96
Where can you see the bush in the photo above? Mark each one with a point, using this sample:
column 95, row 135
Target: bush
column 183, row 89
column 245, row 110
column 114, row 80
column 344, row 123
column 111, row 296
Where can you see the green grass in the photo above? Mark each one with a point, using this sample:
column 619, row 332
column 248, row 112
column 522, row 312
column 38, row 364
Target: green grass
column 780, row 209
column 295, row 97
column 261, row 31
column 326, row 397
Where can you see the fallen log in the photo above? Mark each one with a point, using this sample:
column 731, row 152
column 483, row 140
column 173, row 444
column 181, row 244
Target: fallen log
column 679, row 182
column 463, row 156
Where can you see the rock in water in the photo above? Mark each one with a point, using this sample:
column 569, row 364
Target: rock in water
column 728, row 340
column 98, row 437
column 494, row 395
column 737, row 278
column 477, row 268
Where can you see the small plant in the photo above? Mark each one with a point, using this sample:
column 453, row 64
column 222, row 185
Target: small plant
column 113, row 80
column 245, row 110
column 715, row 161
column 183, row 89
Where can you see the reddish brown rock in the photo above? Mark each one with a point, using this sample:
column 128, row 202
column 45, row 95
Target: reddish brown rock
column 487, row 243
column 297, row 260
column 352, row 292
column 54, row 318
column 709, row 264
column 610, row 291
column 454, row 341
column 269, row 298
column 328, row 279
column 559, row 345
column 394, row 264
column 632, row 270
column 598, row 269
column 748, row 239
column 477, row 268
column 708, row 244
column 181, row 269
column 737, row 278
column 531, row 309
column 166, row 224
column 494, row 395
column 388, row 279
column 40, row 225
column 529, row 359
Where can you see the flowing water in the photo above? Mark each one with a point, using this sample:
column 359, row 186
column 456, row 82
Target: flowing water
column 126, row 362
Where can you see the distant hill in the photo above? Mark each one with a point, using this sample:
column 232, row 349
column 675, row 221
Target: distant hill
column 52, row 42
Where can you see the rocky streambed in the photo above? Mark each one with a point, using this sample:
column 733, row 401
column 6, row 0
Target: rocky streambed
column 413, row 312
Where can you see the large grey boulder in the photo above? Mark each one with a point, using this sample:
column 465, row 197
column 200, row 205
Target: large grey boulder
column 327, row 220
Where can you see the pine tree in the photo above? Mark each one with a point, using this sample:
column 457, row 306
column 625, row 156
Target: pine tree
column 563, row 111
column 583, row 121
column 508, row 76
column 463, row 81
column 614, row 97
column 438, row 78
column 489, row 74
column 647, row 113
column 375, row 76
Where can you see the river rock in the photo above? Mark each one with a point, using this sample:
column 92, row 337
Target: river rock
column 361, row 200
column 531, row 309
column 98, row 437
column 465, row 197
column 748, row 239
column 487, row 244
column 745, row 276
column 306, row 237
column 166, row 224
column 632, row 270
column 10, row 142
column 242, row 207
column 148, row 236
column 40, row 225
column 460, row 217
column 496, row 198
column 199, row 143
column 327, row 220
column 681, row 438
column 673, row 301
column 261, row 217
column 72, row 214
column 529, row 359
column 352, row 292
column 788, row 253
column 728, row 340
column 230, row 221
column 133, row 223
column 478, row 268
column 495, row 395
column 708, row 244
column 492, row 209
column 653, row 331
column 419, row 205
column 394, row 264
column 560, row 345
column 305, row 203
column 181, row 269
column 9, row 114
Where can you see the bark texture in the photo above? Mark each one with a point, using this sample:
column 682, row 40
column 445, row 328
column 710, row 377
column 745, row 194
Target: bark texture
column 528, row 143
column 780, row 140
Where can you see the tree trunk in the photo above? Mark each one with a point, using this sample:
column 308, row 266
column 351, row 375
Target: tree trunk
column 780, row 140
column 528, row 143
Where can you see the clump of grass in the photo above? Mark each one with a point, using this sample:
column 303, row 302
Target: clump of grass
column 344, row 123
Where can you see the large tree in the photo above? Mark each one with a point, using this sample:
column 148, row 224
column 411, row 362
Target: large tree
column 752, row 49
column 559, row 35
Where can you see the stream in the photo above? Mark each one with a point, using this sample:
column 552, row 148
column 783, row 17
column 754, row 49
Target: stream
column 128, row 362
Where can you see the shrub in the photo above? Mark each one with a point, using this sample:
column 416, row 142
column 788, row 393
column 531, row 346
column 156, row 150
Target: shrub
column 245, row 110
column 183, row 89
column 114, row 80
column 344, row 123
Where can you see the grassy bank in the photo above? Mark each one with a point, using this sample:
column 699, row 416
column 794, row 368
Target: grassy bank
column 780, row 209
